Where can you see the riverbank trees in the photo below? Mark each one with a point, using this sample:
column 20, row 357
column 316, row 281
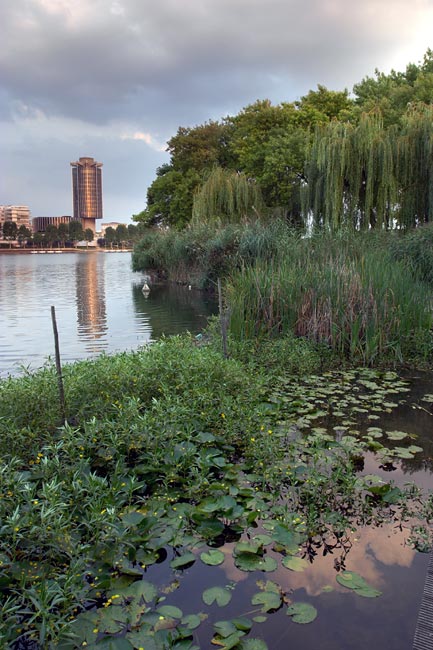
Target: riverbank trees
column 379, row 141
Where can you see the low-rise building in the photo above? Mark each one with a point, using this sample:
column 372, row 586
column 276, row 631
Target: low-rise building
column 39, row 224
column 20, row 214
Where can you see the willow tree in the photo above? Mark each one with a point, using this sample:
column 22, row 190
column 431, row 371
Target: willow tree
column 415, row 166
column 351, row 175
column 227, row 197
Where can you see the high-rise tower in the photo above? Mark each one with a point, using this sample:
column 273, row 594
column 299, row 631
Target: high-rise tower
column 87, row 191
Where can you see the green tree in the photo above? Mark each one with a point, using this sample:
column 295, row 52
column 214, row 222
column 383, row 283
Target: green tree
column 227, row 197
column 63, row 232
column 76, row 232
column 51, row 234
column 89, row 236
column 110, row 236
column 23, row 234
column 10, row 230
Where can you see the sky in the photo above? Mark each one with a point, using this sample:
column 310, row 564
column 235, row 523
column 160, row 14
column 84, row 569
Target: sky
column 114, row 79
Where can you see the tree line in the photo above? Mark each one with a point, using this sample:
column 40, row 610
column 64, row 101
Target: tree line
column 362, row 159
column 67, row 234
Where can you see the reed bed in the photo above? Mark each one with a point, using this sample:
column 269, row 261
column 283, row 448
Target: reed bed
column 344, row 291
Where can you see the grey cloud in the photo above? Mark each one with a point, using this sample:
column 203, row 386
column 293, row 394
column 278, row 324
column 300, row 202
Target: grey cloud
column 156, row 61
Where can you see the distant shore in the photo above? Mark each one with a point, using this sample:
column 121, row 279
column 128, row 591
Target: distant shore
column 50, row 251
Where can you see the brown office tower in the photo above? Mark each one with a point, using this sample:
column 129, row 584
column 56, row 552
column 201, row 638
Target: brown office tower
column 87, row 191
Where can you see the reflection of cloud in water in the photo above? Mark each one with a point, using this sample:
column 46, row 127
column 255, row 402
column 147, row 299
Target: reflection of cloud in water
column 370, row 547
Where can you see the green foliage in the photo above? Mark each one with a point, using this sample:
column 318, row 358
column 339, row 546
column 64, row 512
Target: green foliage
column 346, row 292
column 415, row 250
column 226, row 197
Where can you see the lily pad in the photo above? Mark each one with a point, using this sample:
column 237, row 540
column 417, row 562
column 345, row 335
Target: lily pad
column 267, row 599
column 219, row 595
column 253, row 644
column 302, row 613
column 250, row 562
column 183, row 560
column 171, row 611
column 212, row 557
column 354, row 581
column 396, row 435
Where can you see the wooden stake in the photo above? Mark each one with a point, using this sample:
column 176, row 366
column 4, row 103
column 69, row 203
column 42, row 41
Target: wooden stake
column 58, row 366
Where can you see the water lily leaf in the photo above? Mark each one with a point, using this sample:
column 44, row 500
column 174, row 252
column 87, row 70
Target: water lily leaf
column 218, row 595
column 141, row 638
column 250, row 562
column 414, row 449
column 253, row 547
column 212, row 557
column 302, row 613
column 396, row 435
column 354, row 581
column 182, row 560
column 263, row 540
column 427, row 398
column 403, row 453
column 267, row 599
column 193, row 621
column 253, row 644
column 170, row 611
column 229, row 642
column 260, row 619
column 295, row 563
column 224, row 628
column 242, row 623
column 140, row 589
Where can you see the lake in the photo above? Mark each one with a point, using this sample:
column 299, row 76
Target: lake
column 100, row 307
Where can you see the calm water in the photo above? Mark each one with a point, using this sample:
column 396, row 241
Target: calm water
column 99, row 307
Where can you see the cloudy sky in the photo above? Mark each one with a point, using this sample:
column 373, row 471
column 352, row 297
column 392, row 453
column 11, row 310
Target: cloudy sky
column 113, row 79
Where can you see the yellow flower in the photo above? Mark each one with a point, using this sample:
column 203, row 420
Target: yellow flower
column 223, row 415
column 252, row 439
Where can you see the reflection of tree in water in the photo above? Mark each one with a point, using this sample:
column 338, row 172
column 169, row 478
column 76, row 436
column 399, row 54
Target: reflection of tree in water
column 90, row 294
column 172, row 309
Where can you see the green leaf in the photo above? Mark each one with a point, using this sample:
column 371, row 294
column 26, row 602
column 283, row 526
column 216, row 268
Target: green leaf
column 192, row 621
column 218, row 595
column 302, row 613
column 140, row 589
column 132, row 518
column 229, row 642
column 260, row 619
column 354, row 581
column 119, row 643
column 182, row 560
column 171, row 611
column 396, row 435
column 247, row 547
column 295, row 563
column 253, row 644
column 250, row 562
column 212, row 557
column 267, row 599
column 224, row 628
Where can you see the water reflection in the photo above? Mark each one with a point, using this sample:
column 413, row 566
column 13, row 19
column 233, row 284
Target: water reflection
column 91, row 304
column 109, row 312
column 166, row 304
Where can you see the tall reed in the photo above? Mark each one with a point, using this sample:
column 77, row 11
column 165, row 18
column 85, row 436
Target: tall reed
column 344, row 291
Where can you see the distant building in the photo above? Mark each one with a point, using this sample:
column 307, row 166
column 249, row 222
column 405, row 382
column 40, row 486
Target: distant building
column 110, row 224
column 20, row 214
column 87, row 191
column 39, row 224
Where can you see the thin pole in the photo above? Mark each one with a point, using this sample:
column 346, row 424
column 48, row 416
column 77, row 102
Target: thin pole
column 58, row 366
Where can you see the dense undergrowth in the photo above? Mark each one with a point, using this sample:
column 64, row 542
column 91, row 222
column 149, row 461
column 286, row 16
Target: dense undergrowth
column 168, row 452
column 367, row 296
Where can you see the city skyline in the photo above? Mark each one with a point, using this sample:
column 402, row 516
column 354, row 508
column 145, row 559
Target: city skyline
column 118, row 77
